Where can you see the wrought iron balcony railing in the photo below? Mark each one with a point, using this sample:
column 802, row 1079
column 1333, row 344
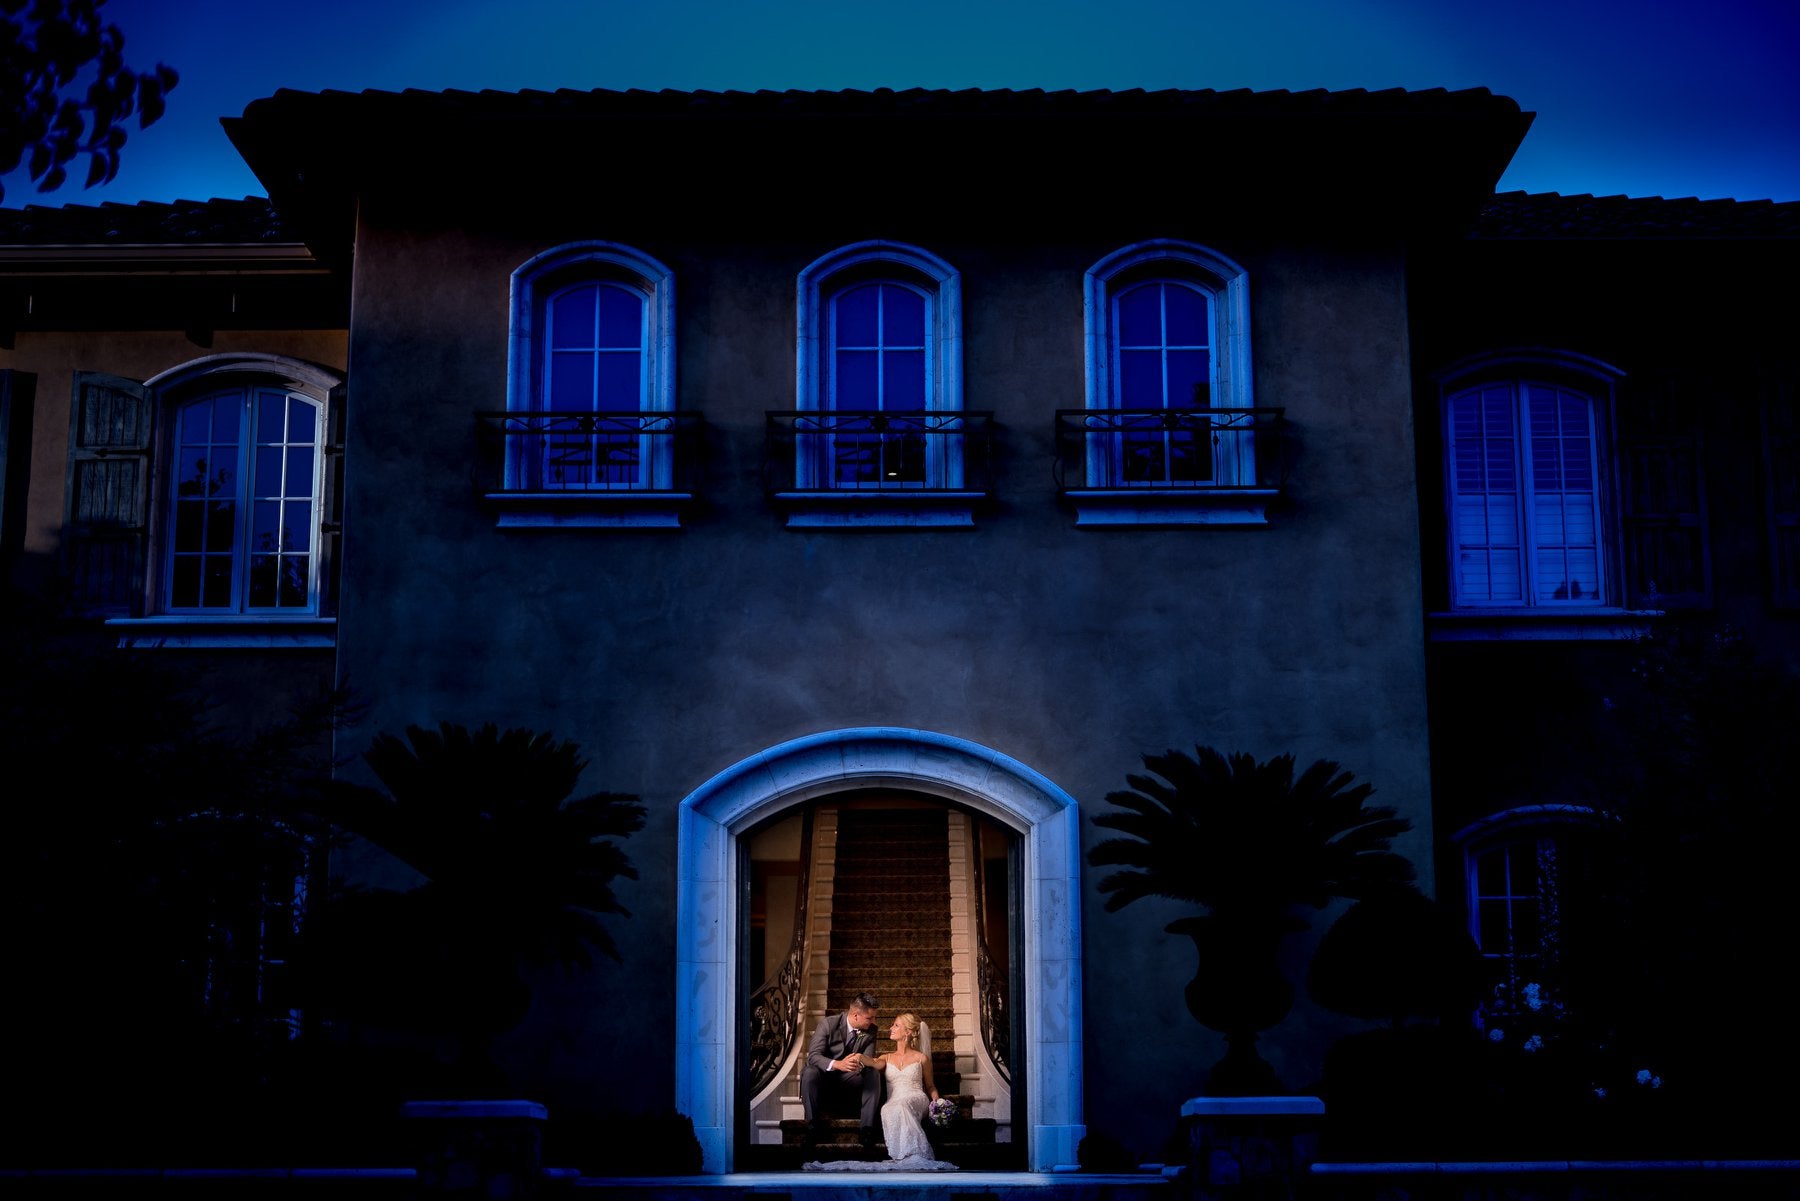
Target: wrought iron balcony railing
column 574, row 454
column 1168, row 450
column 895, row 453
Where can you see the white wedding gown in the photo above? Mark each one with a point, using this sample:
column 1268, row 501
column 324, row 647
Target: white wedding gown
column 902, row 1128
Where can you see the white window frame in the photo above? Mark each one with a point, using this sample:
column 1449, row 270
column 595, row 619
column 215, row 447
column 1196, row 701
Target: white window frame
column 249, row 489
column 820, row 466
column 239, row 627
column 1510, row 831
column 653, row 467
column 534, row 284
column 940, row 500
column 1531, row 617
column 1231, row 497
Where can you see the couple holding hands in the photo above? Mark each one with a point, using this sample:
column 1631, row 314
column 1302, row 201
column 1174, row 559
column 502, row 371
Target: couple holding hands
column 842, row 1059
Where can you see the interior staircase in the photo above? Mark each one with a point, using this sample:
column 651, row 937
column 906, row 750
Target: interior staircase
column 890, row 933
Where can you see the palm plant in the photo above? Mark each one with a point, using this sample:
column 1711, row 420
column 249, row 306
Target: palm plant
column 1255, row 848
column 516, row 876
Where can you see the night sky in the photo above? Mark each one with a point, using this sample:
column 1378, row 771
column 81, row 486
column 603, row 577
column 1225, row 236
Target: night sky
column 1670, row 98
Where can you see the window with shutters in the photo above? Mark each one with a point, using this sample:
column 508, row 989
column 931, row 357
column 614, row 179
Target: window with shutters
column 1572, row 503
column 18, row 390
column 1781, row 448
column 1566, row 500
column 1525, row 495
column 206, row 496
column 1663, row 495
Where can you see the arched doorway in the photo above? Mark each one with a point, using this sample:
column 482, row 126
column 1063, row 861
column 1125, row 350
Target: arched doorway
column 755, row 789
column 905, row 896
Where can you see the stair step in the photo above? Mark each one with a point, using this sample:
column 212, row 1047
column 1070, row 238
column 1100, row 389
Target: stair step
column 983, row 1157
column 890, row 926
column 845, row 1133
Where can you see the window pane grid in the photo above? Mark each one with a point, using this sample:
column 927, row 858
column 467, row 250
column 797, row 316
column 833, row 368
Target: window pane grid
column 243, row 517
column 879, row 351
column 204, row 531
column 282, row 503
column 597, row 362
column 1162, row 360
column 1508, row 922
column 1503, row 436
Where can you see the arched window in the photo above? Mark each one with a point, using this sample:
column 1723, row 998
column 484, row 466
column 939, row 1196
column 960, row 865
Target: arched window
column 878, row 405
column 207, row 494
column 242, row 533
column 1527, row 468
column 1162, row 360
column 594, row 348
column 591, row 387
column 1536, row 888
column 1169, row 431
column 879, row 344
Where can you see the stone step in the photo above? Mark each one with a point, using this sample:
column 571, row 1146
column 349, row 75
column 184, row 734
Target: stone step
column 845, row 1133
column 973, row 1157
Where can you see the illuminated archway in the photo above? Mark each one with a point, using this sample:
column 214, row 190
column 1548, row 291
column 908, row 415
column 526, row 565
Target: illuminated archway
column 754, row 789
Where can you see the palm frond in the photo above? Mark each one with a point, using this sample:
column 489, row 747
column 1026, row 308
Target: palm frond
column 1231, row 834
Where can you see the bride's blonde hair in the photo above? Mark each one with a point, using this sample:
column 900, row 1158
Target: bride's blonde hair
column 912, row 1026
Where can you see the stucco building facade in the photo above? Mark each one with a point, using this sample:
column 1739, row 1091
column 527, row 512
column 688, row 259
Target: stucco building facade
column 941, row 448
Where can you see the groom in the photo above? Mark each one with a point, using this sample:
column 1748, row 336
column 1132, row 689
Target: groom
column 834, row 1064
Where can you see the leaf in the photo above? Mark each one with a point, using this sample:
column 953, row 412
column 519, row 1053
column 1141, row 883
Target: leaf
column 1235, row 836
column 150, row 103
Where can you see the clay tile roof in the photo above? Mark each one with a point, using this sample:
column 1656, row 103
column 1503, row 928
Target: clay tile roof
column 185, row 222
column 1520, row 215
column 850, row 101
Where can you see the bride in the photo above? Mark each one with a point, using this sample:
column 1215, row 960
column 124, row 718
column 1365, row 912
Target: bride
column 910, row 1090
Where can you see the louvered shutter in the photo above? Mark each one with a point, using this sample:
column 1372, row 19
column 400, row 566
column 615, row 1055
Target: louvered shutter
column 1781, row 445
column 17, row 389
column 1666, row 562
column 107, row 509
column 331, row 507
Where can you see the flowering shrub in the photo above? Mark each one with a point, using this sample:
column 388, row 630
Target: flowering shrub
column 1568, row 1079
column 941, row 1111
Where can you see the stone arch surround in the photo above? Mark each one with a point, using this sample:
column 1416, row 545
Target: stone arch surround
column 818, row 765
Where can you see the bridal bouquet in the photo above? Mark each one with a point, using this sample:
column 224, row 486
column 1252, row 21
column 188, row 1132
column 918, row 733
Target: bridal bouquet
column 941, row 1111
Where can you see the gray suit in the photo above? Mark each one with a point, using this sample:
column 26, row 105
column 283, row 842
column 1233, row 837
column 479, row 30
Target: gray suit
column 834, row 1039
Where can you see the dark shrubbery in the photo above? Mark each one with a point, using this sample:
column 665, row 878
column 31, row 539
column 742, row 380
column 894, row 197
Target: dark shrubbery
column 624, row 1144
column 1101, row 1152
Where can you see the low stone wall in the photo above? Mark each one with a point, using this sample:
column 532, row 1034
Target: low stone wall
column 1552, row 1180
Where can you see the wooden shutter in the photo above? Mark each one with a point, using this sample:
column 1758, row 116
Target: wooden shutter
column 1781, row 473
column 107, row 509
column 331, row 503
column 1666, row 562
column 17, row 389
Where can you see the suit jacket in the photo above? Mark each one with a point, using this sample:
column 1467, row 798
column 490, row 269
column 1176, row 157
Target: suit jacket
column 831, row 1040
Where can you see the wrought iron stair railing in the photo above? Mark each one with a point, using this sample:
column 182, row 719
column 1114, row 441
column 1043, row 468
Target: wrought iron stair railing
column 991, row 987
column 777, row 1007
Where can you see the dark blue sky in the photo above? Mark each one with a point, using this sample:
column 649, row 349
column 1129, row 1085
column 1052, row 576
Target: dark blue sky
column 1633, row 97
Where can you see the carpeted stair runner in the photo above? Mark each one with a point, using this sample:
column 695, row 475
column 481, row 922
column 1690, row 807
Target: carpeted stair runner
column 890, row 935
column 890, row 923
